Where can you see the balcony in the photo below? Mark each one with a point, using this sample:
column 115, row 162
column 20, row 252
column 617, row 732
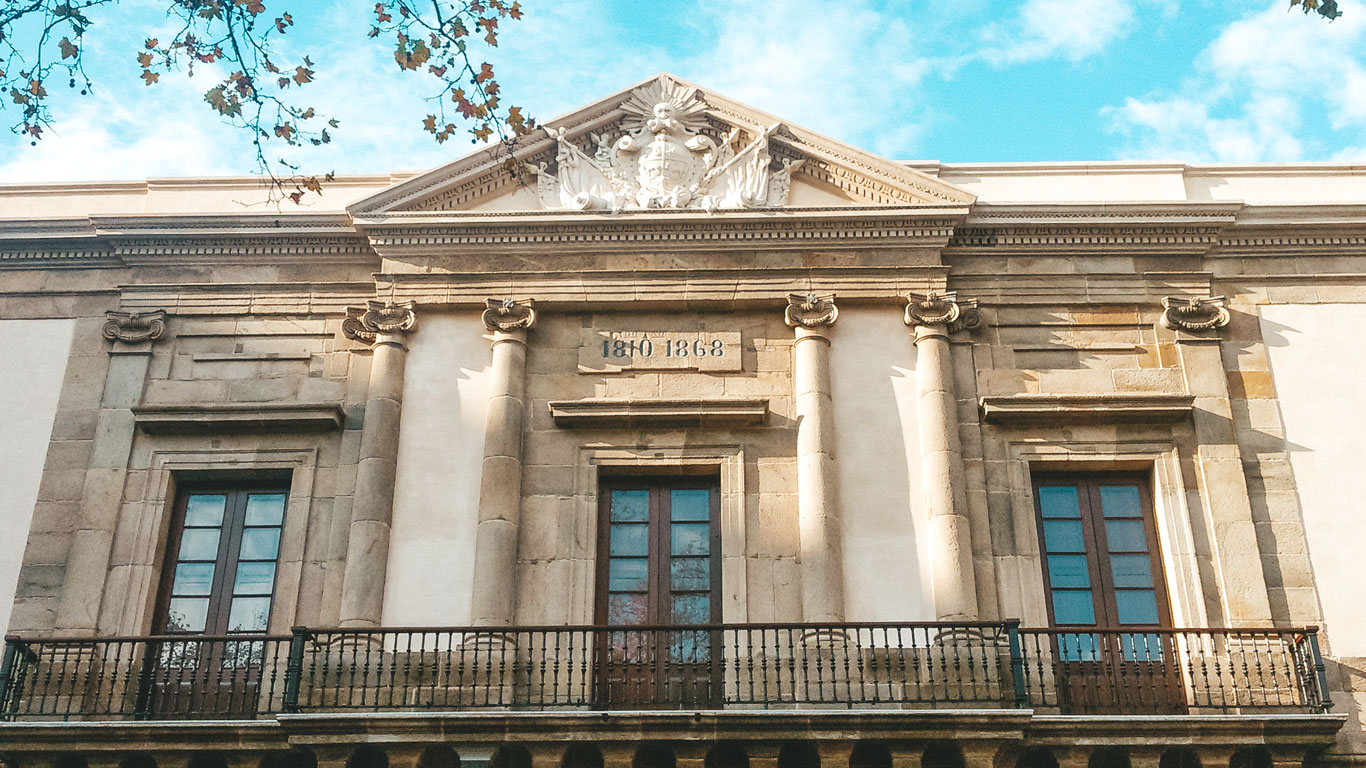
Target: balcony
column 714, row 667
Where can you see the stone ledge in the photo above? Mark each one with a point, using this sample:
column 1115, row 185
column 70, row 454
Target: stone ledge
column 611, row 412
column 239, row 418
column 1072, row 409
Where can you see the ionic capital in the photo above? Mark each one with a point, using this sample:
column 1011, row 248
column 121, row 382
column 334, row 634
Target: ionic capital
column 378, row 318
column 509, row 314
column 811, row 310
column 947, row 310
column 134, row 327
column 1205, row 313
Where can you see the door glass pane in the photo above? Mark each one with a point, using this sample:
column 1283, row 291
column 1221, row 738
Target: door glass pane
column 691, row 609
column 691, row 539
column 690, row 573
column 193, row 580
column 248, row 614
column 265, row 509
column 628, row 574
column 1131, row 570
column 187, row 614
column 1126, row 536
column 630, row 506
column 1059, row 501
column 628, row 608
column 199, row 544
column 1063, row 536
column 1073, row 606
column 205, row 509
column 260, row 543
column 1068, row 571
column 254, row 579
column 1120, row 501
column 630, row 540
column 1136, row 606
column 690, row 505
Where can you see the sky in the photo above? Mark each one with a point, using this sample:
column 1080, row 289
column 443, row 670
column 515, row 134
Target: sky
column 1194, row 81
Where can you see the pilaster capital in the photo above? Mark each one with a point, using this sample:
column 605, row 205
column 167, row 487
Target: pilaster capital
column 378, row 318
column 811, row 310
column 134, row 327
column 509, row 314
column 947, row 310
column 1201, row 313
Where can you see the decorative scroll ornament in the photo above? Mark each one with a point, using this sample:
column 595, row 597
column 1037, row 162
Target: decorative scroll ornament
column 664, row 161
column 378, row 317
column 810, row 310
column 509, row 314
column 1194, row 314
column 947, row 310
column 134, row 327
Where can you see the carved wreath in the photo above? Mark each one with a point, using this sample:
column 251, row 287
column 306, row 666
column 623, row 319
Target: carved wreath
column 376, row 317
column 947, row 310
column 810, row 310
column 509, row 314
column 1194, row 314
column 134, row 327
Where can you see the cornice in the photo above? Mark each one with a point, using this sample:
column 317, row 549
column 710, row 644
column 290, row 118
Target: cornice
column 1067, row 228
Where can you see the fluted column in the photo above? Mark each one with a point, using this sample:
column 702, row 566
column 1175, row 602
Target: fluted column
column 950, row 545
column 384, row 325
column 818, row 510
column 500, row 486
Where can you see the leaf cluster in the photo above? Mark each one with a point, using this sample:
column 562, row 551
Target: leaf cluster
column 1325, row 8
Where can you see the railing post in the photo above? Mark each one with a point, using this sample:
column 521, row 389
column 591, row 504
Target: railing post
column 7, row 673
column 1017, row 664
column 1320, row 672
column 294, row 668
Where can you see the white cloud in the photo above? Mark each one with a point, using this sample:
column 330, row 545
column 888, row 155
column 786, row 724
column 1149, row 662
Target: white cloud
column 1073, row 29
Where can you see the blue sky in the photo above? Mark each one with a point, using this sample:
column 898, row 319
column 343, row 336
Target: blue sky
column 1032, row 80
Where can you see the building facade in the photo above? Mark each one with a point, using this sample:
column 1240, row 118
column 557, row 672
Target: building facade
column 686, row 436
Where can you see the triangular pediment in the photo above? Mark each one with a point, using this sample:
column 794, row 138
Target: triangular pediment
column 664, row 143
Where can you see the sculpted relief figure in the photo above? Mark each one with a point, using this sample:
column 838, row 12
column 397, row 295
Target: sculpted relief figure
column 664, row 161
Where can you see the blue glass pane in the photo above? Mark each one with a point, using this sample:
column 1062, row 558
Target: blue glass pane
column 1145, row 647
column 1136, row 606
column 690, row 504
column 1126, row 536
column 1131, row 570
column 187, row 614
column 205, row 509
column 1073, row 607
column 254, row 579
column 628, row 574
column 248, row 614
column 1120, row 501
column 1063, row 536
column 630, row 506
column 199, row 544
column 690, row 573
column 689, row 646
column 193, row 580
column 630, row 540
column 1078, row 647
column 260, row 543
column 691, row 539
column 265, row 509
column 692, row 609
column 628, row 608
column 1068, row 571
column 1058, row 501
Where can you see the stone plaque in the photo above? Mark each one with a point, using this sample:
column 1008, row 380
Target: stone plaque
column 604, row 351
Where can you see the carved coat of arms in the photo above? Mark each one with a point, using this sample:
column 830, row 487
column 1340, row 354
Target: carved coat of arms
column 664, row 161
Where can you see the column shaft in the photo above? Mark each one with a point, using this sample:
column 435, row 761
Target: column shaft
column 817, row 491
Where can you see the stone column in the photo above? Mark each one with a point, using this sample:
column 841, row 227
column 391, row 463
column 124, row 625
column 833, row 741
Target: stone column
column 87, row 564
column 500, row 484
column 818, row 509
column 384, row 325
column 950, row 544
column 1219, row 461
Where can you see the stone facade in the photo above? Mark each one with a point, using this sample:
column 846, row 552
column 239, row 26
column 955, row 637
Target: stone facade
column 909, row 345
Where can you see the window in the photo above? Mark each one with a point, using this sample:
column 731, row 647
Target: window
column 1101, row 564
column 221, row 561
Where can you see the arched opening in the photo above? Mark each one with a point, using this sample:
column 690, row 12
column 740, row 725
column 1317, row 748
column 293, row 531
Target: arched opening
column 207, row 760
column 137, row 760
column 510, row 756
column 1038, row 757
column 368, row 756
column 70, row 760
column 294, row 757
column 726, row 754
column 582, row 756
column 942, row 754
column 1109, row 757
column 870, row 754
column 1250, row 757
column 799, row 754
column 438, row 756
column 653, row 755
column 1179, row 757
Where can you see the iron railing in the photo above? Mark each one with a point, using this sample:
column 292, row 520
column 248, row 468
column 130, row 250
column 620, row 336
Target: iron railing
column 758, row 666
